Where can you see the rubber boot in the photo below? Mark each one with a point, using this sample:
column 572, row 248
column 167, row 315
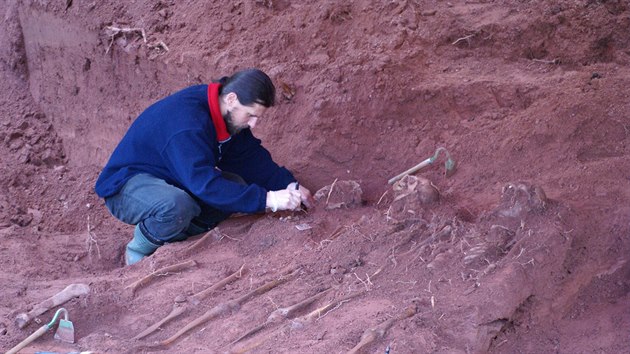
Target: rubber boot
column 138, row 248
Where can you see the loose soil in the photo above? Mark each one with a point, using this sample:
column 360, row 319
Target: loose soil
column 524, row 249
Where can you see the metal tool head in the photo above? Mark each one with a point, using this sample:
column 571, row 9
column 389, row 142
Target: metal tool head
column 65, row 330
column 449, row 165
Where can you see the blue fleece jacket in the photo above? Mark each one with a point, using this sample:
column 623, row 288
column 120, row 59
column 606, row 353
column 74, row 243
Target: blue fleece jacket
column 175, row 140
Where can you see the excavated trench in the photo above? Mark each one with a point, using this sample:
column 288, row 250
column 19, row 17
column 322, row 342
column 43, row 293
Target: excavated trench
column 525, row 249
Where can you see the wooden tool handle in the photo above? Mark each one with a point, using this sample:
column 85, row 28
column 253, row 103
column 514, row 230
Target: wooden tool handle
column 28, row 340
column 411, row 170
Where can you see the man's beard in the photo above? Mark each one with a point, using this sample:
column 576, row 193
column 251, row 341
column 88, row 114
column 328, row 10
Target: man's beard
column 232, row 129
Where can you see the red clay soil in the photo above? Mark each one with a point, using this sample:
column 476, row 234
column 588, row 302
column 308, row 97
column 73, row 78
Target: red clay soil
column 525, row 250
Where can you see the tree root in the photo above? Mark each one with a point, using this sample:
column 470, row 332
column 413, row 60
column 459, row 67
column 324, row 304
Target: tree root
column 179, row 308
column 372, row 334
column 160, row 273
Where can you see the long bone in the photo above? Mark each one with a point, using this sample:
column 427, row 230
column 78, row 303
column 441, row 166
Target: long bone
column 282, row 313
column 311, row 316
column 377, row 332
column 179, row 308
column 71, row 291
column 225, row 307
column 160, row 273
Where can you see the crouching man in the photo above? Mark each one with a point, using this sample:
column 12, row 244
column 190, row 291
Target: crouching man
column 190, row 160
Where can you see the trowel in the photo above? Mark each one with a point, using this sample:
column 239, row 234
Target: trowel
column 65, row 330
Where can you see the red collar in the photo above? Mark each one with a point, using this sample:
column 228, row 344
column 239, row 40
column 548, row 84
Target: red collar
column 215, row 113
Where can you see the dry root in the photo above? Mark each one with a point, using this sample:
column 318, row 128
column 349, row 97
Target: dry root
column 91, row 240
column 114, row 32
column 465, row 38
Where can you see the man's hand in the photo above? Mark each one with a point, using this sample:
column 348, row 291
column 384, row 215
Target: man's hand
column 285, row 199
column 305, row 195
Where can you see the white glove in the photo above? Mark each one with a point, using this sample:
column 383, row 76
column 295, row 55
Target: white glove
column 285, row 199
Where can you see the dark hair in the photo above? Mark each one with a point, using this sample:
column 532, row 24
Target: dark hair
column 250, row 86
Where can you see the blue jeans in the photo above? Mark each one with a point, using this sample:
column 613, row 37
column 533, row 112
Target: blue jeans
column 163, row 212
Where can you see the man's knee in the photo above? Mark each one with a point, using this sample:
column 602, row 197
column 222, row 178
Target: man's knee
column 175, row 212
column 180, row 206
